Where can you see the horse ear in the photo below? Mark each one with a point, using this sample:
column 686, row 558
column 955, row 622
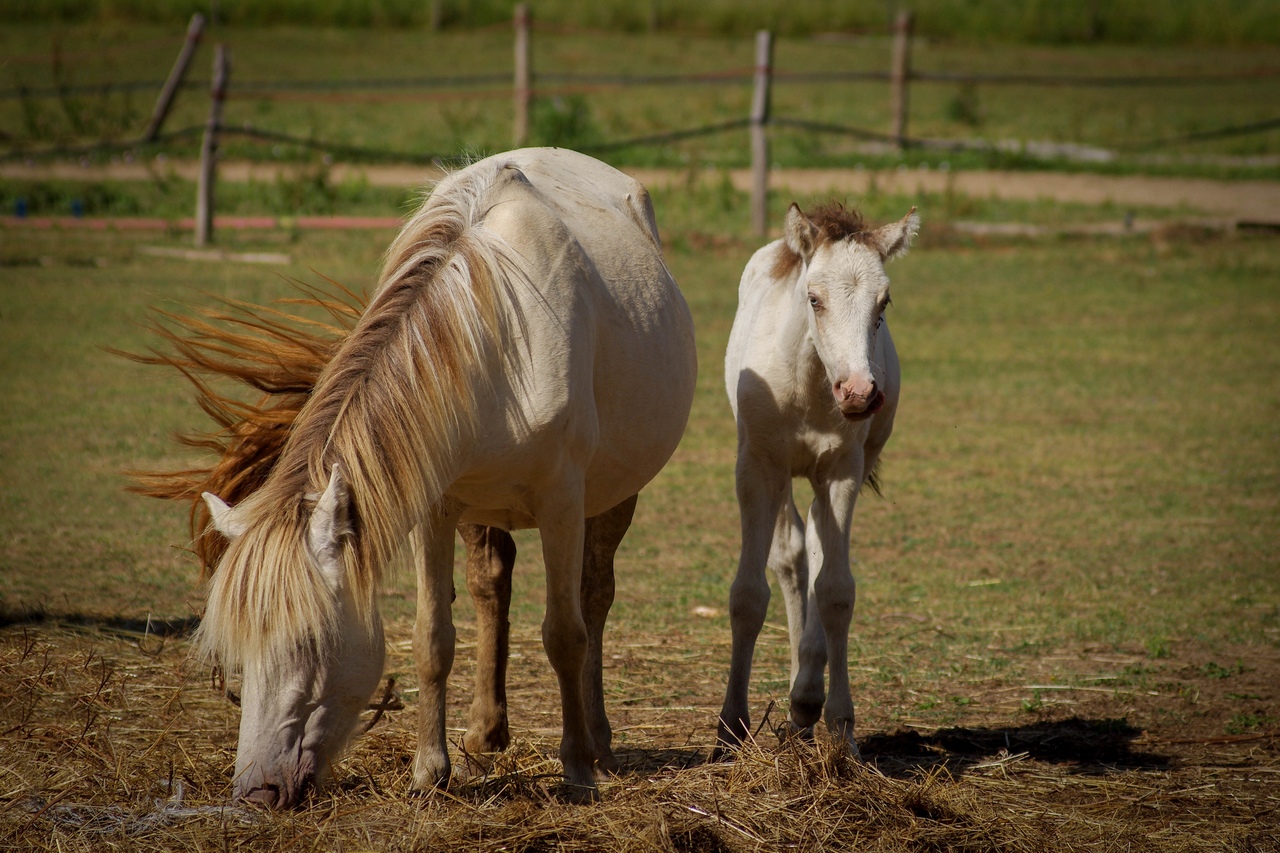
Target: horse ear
column 225, row 519
column 331, row 519
column 800, row 233
column 894, row 239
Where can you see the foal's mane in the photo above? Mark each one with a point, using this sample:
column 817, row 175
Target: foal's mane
column 387, row 398
column 834, row 223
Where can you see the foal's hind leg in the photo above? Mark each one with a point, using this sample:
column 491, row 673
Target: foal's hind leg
column 788, row 561
column 491, row 557
column 600, row 542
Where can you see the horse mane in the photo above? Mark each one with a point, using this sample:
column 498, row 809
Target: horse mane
column 834, row 223
column 270, row 349
column 394, row 400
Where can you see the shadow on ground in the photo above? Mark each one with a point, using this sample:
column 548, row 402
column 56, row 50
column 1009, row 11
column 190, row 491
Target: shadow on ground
column 1091, row 746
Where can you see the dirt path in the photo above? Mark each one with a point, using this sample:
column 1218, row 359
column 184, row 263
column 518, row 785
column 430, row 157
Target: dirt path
column 1252, row 201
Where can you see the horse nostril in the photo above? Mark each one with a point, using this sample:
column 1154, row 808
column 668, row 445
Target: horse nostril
column 266, row 795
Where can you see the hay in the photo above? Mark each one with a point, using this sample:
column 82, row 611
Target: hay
column 116, row 741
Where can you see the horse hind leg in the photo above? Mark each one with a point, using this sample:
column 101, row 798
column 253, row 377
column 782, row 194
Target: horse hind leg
column 602, row 536
column 491, row 557
column 788, row 561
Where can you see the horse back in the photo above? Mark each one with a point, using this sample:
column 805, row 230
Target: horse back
column 601, row 367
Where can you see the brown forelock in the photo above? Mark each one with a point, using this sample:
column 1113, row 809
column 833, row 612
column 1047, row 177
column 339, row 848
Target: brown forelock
column 835, row 223
column 270, row 349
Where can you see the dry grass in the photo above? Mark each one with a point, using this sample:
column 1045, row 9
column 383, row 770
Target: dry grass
column 115, row 739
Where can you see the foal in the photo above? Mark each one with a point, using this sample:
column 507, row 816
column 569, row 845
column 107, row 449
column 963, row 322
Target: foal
column 813, row 380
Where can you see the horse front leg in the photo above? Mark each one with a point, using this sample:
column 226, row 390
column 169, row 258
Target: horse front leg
column 762, row 490
column 564, row 632
column 433, row 647
column 491, row 557
column 830, row 612
column 601, row 538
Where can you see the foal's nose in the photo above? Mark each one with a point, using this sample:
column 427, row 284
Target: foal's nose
column 854, row 389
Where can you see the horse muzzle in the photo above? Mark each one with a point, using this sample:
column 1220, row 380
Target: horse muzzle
column 857, row 409
column 278, row 790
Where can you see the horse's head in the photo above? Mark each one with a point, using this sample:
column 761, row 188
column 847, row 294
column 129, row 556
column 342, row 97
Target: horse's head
column 281, row 607
column 847, row 290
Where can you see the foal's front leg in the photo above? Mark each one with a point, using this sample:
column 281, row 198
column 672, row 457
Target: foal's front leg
column 491, row 556
column 433, row 645
column 762, row 489
column 830, row 611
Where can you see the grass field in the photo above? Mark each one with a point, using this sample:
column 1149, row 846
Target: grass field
column 592, row 109
column 1068, row 627
column 1124, row 21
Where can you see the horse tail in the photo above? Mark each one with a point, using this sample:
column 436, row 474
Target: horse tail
column 873, row 480
column 274, row 349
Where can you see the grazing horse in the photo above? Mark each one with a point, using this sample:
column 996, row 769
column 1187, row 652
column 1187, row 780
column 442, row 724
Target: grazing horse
column 813, row 379
column 525, row 361
column 281, row 353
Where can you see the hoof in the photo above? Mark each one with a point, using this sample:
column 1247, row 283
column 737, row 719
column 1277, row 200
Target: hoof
column 607, row 766
column 581, row 795
column 430, row 777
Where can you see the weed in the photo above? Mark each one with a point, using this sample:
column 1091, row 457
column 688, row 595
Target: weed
column 1215, row 670
column 1243, row 723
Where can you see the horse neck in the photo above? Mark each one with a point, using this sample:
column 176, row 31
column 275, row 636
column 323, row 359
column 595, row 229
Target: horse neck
column 399, row 404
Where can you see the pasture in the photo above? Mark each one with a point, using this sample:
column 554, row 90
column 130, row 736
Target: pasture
column 1068, row 627
column 322, row 84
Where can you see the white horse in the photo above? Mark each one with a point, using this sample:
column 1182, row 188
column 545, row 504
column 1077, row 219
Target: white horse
column 526, row 361
column 813, row 380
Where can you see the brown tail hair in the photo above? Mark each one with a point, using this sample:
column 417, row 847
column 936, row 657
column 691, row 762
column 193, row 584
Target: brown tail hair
column 272, row 349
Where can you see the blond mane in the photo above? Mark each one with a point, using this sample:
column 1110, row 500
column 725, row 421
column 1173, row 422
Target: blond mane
column 270, row 349
column 393, row 404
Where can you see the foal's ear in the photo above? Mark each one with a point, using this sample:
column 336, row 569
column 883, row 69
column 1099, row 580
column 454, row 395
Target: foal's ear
column 331, row 519
column 894, row 239
column 800, row 233
column 225, row 519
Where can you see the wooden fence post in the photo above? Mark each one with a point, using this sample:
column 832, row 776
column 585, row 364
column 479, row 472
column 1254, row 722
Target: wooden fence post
column 899, row 75
column 209, row 147
column 759, row 134
column 177, row 74
column 523, row 74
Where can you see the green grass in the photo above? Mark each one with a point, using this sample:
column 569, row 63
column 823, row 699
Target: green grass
column 1086, row 451
column 696, row 211
column 1141, row 21
column 479, row 118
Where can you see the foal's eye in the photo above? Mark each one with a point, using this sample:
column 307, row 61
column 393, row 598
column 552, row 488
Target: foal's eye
column 814, row 302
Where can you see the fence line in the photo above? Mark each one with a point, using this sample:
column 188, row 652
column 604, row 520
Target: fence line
column 708, row 78
column 525, row 86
